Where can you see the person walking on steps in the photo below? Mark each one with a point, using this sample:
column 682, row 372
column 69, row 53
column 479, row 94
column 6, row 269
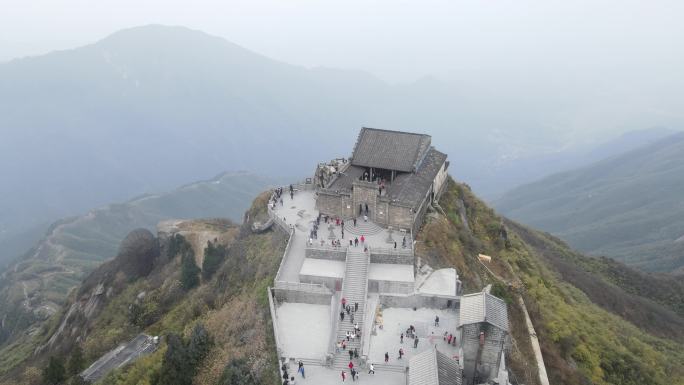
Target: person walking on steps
column 301, row 369
column 344, row 376
column 353, row 374
column 401, row 352
column 371, row 369
column 437, row 321
column 386, row 357
column 415, row 343
column 356, row 306
column 401, row 338
column 342, row 315
column 351, row 355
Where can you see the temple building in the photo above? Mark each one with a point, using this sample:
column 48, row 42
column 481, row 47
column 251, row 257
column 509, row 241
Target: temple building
column 392, row 177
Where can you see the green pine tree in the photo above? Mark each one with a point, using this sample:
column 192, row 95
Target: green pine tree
column 213, row 257
column 189, row 271
column 76, row 361
column 54, row 373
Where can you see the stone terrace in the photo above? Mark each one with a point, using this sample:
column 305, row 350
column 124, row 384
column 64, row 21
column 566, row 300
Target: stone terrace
column 306, row 302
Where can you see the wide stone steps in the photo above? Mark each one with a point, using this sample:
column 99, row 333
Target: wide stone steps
column 354, row 290
column 341, row 362
column 388, row 368
column 361, row 228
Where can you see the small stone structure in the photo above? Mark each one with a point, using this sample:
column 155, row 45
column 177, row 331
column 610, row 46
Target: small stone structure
column 483, row 332
column 124, row 354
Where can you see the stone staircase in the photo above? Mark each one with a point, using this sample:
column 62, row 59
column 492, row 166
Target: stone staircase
column 361, row 228
column 354, row 289
column 382, row 367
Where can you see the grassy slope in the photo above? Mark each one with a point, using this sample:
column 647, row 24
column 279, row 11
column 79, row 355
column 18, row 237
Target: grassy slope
column 628, row 207
column 582, row 341
column 76, row 246
column 240, row 283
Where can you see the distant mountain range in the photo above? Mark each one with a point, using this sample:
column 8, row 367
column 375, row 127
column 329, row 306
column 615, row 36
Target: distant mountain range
column 151, row 107
column 629, row 206
column 36, row 285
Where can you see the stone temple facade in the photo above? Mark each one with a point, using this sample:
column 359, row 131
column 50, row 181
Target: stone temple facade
column 392, row 177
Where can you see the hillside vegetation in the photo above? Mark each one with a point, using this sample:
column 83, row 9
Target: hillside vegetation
column 36, row 285
column 628, row 207
column 216, row 326
column 588, row 325
column 227, row 311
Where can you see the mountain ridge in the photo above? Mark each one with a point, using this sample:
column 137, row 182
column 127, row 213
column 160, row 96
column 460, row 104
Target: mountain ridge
column 625, row 207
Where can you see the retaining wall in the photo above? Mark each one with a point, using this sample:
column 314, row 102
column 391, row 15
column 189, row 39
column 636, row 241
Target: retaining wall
column 398, row 256
column 393, row 287
column 336, row 254
column 417, row 301
column 302, row 296
column 329, row 282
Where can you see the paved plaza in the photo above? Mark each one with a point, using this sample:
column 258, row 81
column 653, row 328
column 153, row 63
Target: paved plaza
column 304, row 329
column 319, row 375
column 397, row 320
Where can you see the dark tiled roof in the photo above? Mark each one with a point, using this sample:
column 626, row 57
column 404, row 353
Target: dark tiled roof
column 408, row 188
column 433, row 367
column 390, row 150
column 411, row 188
column 344, row 181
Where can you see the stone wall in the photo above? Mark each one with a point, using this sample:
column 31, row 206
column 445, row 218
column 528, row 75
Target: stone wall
column 420, row 215
column 301, row 296
column 438, row 183
column 393, row 258
column 334, row 204
column 331, row 283
column 325, row 253
column 400, row 217
column 365, row 193
column 494, row 340
column 390, row 287
column 382, row 207
column 417, row 300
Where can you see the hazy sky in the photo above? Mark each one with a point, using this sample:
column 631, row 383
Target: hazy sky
column 396, row 40
column 585, row 69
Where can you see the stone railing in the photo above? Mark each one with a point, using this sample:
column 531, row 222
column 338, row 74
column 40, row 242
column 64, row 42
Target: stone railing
column 314, row 288
column 272, row 307
column 335, row 320
column 287, row 250
column 391, row 251
column 326, row 252
column 365, row 337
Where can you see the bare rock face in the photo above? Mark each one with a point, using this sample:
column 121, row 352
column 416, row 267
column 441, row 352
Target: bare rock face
column 136, row 258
